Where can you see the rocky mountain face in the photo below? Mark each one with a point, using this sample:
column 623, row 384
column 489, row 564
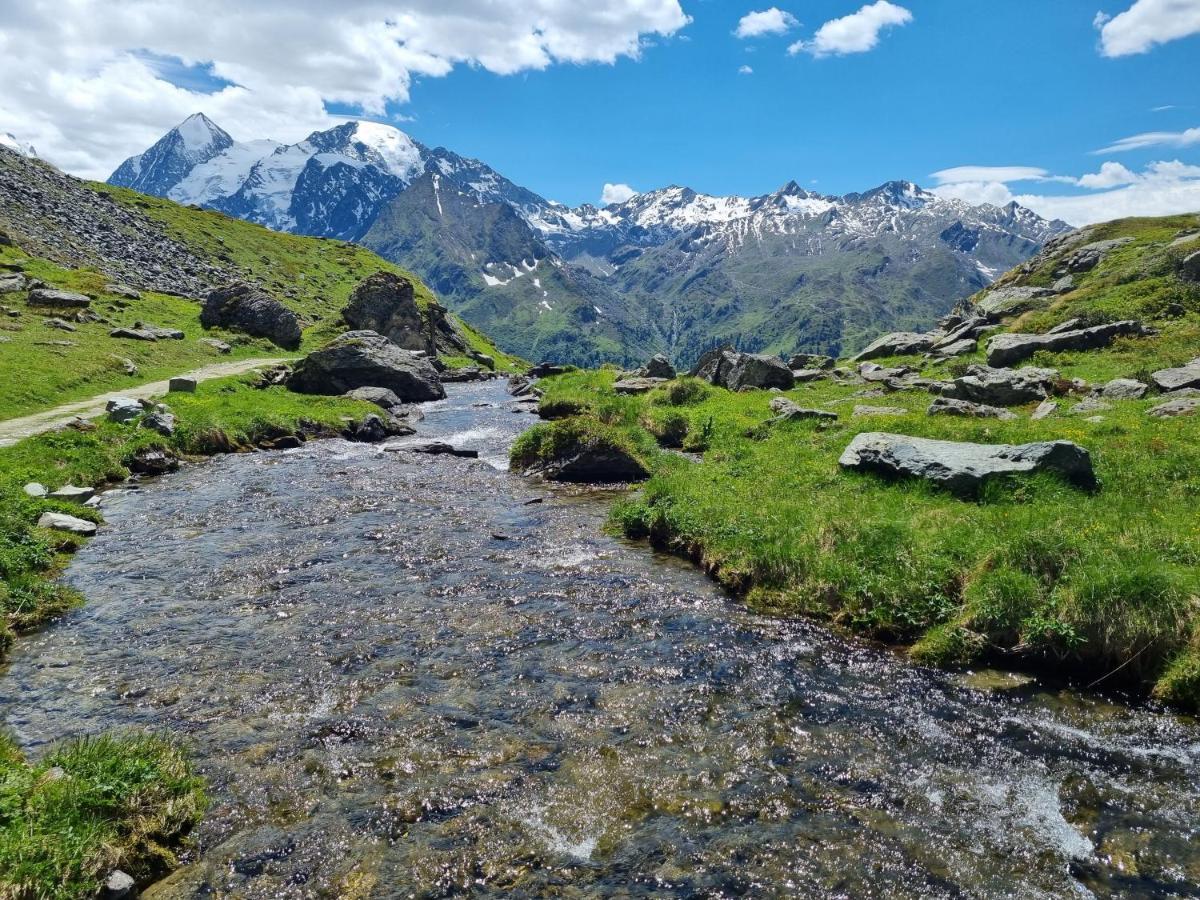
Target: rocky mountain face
column 670, row 270
column 58, row 217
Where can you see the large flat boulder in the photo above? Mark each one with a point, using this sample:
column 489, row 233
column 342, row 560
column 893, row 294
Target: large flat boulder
column 1002, row 387
column 245, row 308
column 1006, row 349
column 386, row 303
column 1180, row 406
column 1177, row 379
column 360, row 359
column 57, row 299
column 961, row 467
column 898, row 343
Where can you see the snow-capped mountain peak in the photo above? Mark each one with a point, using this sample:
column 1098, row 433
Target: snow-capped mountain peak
column 200, row 139
column 9, row 140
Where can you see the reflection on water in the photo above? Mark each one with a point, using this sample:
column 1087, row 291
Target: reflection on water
column 403, row 678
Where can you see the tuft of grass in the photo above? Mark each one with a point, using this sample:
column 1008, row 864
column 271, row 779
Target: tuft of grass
column 89, row 806
column 553, row 440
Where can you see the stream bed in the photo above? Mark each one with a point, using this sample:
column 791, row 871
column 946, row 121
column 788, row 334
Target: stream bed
column 403, row 677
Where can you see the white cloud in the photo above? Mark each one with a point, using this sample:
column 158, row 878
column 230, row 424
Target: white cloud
column 1111, row 174
column 745, row 70
column 1145, row 24
column 79, row 84
column 855, row 33
column 1162, row 108
column 960, row 174
column 768, row 21
column 1153, row 139
column 616, row 193
column 1163, row 188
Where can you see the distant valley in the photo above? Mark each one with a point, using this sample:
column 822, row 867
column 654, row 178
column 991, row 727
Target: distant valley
column 669, row 270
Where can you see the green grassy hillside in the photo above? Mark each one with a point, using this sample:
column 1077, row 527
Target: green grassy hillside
column 1104, row 586
column 311, row 276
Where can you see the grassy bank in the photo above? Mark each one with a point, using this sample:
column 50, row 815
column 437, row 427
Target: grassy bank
column 96, row 804
column 90, row 806
column 1102, row 586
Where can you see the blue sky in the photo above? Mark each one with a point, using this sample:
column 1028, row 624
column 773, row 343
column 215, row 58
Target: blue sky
column 988, row 101
column 965, row 83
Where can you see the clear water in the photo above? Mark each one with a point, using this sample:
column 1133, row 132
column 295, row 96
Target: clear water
column 404, row 679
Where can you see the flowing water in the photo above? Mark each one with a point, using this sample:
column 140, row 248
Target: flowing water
column 404, row 678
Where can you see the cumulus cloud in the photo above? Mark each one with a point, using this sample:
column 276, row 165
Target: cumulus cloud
column 768, row 21
column 1162, row 188
column 1146, row 24
column 1111, row 174
column 745, row 70
column 855, row 33
column 83, row 79
column 616, row 193
column 1184, row 138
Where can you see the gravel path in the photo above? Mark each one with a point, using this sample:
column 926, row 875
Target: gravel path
column 13, row 430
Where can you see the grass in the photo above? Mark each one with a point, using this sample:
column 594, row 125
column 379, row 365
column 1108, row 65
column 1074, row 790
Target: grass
column 89, row 806
column 1032, row 573
column 312, row 276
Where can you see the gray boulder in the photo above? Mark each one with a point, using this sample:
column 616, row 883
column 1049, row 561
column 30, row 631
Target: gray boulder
column 958, row 348
column 366, row 359
column 35, row 490
column 658, row 366
column 123, row 409
column 57, row 299
column 152, row 461
column 1088, row 257
column 1181, row 406
column 182, row 384
column 1177, row 379
column 1006, row 349
column 123, row 290
column 386, row 303
column 810, row 361
column 242, row 307
column 1009, row 301
column 787, row 411
column 1124, row 389
column 143, row 332
column 861, row 411
column 69, row 493
column 381, row 397
column 161, row 420
column 118, row 885
column 11, row 282
column 898, row 343
column 947, row 406
column 1002, row 387
column 1044, row 409
column 962, row 468
column 803, row 376
column 728, row 368
column 218, row 345
column 60, row 324
column 62, row 522
column 1189, row 268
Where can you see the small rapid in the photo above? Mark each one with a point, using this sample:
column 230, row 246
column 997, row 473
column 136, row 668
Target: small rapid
column 408, row 675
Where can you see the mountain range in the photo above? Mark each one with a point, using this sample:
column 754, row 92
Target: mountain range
column 669, row 270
